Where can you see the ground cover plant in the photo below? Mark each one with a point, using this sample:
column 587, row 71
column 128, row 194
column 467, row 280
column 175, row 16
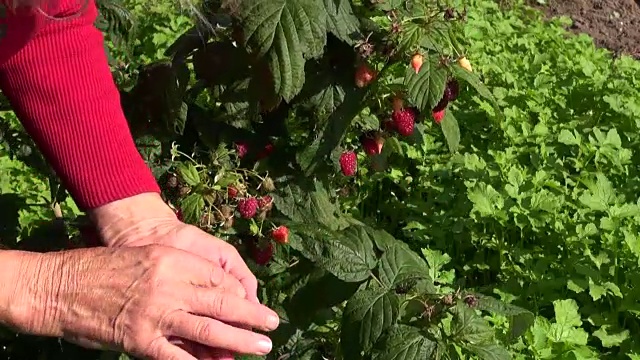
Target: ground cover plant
column 500, row 223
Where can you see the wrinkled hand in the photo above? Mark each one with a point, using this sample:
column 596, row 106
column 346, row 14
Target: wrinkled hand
column 138, row 300
column 145, row 219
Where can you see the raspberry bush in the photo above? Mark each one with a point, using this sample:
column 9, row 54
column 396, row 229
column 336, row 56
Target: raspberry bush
column 266, row 124
column 260, row 128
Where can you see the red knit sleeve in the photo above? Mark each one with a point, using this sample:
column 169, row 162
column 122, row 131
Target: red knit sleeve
column 61, row 88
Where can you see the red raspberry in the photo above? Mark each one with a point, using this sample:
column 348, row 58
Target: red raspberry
column 438, row 115
column 242, row 148
column 280, row 234
column 262, row 255
column 348, row 163
column 404, row 121
column 268, row 149
column 232, row 192
column 364, row 75
column 372, row 143
column 248, row 207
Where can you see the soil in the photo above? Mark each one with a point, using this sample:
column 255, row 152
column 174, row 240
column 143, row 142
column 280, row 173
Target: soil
column 613, row 24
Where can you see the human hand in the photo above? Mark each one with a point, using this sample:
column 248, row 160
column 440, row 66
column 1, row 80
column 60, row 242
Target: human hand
column 145, row 219
column 138, row 300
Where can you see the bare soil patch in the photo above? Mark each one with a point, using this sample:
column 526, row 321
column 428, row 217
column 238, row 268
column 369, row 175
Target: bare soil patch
column 613, row 24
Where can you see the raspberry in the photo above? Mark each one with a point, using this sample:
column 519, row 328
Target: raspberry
column 226, row 211
column 465, row 64
column 268, row 185
column 232, row 192
column 268, row 149
column 442, row 104
column 265, row 203
column 261, row 254
column 280, row 234
column 172, row 181
column 248, row 207
column 242, row 148
column 372, row 143
column 452, row 90
column 388, row 125
column 438, row 112
column 404, row 121
column 348, row 163
column 364, row 75
column 416, row 62
column 471, row 300
column 438, row 115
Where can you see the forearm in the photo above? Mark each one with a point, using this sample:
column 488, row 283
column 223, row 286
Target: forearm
column 28, row 290
column 61, row 88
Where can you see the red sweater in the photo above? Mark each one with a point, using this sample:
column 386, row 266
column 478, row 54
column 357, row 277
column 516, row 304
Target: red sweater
column 56, row 75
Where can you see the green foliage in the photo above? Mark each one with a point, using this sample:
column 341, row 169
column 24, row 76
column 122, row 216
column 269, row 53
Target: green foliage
column 509, row 230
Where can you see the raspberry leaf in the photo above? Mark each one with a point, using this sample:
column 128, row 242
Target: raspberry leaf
column 341, row 21
column 189, row 174
column 192, row 207
column 300, row 205
column 368, row 314
column 348, row 254
column 473, row 79
column 425, row 89
column 286, row 32
column 399, row 264
column 451, row 131
column 406, row 343
column 520, row 319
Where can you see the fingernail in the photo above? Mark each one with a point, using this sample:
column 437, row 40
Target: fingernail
column 272, row 322
column 264, row 346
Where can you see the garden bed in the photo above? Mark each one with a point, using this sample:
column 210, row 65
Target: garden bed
column 613, row 24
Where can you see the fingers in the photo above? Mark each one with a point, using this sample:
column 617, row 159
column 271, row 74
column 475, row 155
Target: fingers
column 232, row 309
column 207, row 274
column 216, row 334
column 203, row 352
column 164, row 350
column 236, row 266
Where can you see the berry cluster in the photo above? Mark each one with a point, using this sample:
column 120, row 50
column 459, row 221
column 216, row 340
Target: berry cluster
column 402, row 120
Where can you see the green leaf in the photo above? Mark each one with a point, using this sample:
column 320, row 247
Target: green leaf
column 406, row 343
column 611, row 340
column 399, row 264
column 300, row 205
column 451, row 131
column 489, row 351
column 469, row 326
column 567, row 326
column 334, row 131
column 348, row 254
column 520, row 319
column 192, row 207
column 313, row 296
column 426, row 88
column 189, row 173
column 286, row 32
column 367, row 315
column 341, row 21
column 472, row 79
